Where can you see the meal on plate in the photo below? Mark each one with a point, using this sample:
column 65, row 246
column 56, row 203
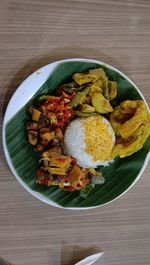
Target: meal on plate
column 78, row 129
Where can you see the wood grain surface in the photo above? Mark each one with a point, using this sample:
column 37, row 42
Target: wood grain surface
column 32, row 34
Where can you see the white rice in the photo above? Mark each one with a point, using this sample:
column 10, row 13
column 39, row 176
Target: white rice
column 75, row 145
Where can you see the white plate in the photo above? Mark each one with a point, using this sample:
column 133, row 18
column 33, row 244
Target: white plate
column 25, row 92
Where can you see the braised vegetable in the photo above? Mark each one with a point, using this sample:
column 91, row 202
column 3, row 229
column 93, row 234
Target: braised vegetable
column 105, row 88
column 96, row 87
column 101, row 104
column 112, row 86
column 80, row 97
column 86, row 108
column 85, row 114
column 92, row 76
column 69, row 88
column 43, row 98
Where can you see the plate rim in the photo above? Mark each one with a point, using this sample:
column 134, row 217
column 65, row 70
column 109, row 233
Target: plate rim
column 6, row 119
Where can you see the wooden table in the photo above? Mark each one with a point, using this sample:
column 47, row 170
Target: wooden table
column 34, row 33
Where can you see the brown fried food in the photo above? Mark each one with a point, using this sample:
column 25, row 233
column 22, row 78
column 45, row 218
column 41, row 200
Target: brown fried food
column 133, row 144
column 33, row 137
column 32, row 125
column 139, row 117
column 126, row 118
column 131, row 123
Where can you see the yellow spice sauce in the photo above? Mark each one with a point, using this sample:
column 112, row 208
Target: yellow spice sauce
column 98, row 138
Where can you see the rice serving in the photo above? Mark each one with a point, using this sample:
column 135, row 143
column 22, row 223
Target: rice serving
column 90, row 141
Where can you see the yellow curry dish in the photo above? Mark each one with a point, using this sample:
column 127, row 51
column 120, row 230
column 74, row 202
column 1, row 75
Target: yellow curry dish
column 78, row 129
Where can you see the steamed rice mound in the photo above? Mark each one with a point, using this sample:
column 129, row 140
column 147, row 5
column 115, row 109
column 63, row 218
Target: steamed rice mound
column 90, row 141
